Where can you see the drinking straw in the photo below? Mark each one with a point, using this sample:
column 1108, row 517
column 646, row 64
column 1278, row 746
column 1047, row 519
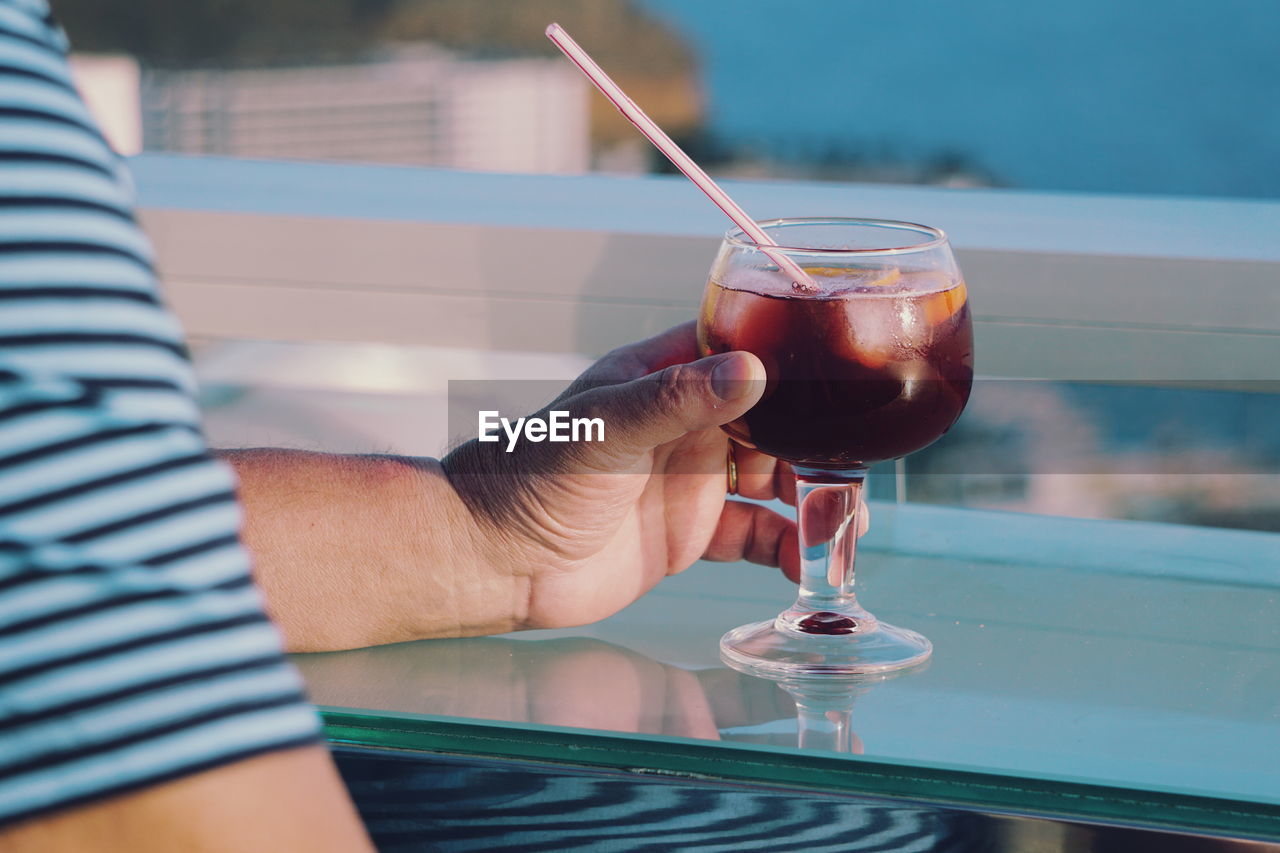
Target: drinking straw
column 675, row 154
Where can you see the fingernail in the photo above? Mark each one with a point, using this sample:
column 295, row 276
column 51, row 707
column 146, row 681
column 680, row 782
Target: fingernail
column 730, row 378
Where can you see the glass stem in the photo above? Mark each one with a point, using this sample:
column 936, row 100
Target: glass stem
column 828, row 504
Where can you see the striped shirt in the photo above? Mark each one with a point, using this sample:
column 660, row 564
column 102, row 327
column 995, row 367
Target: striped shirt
column 133, row 644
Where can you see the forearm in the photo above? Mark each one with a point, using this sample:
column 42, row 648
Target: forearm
column 287, row 800
column 355, row 551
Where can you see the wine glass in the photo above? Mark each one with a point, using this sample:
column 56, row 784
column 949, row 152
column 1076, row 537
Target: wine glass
column 870, row 360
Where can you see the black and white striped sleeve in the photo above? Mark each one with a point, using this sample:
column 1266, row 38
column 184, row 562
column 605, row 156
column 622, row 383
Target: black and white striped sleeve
column 133, row 644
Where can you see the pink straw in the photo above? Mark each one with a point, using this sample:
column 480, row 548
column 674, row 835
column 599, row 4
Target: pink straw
column 682, row 161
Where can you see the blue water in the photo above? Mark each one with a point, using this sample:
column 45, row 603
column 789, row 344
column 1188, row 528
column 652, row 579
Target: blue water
column 1133, row 96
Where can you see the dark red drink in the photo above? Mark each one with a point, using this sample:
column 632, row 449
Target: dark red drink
column 875, row 365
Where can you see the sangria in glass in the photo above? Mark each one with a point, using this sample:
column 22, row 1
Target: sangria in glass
column 870, row 360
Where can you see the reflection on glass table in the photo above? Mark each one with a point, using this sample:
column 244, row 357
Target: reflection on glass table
column 588, row 683
column 580, row 682
column 1101, row 671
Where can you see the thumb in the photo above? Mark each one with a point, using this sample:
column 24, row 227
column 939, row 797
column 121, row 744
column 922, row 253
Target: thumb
column 663, row 406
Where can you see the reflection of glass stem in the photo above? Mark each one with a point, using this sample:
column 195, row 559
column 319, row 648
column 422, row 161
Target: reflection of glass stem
column 824, row 716
column 824, row 708
column 825, row 729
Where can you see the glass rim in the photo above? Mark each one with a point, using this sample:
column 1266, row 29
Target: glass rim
column 937, row 237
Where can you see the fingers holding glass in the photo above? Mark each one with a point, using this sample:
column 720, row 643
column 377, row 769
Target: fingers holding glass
column 761, row 477
column 758, row 535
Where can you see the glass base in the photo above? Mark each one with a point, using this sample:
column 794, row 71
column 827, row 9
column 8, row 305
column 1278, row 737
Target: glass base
column 762, row 648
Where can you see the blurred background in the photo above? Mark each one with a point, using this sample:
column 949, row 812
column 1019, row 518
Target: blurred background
column 1171, row 99
column 1177, row 97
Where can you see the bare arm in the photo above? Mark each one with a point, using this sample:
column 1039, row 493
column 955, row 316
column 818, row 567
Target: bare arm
column 357, row 551
column 289, row 800
column 362, row 550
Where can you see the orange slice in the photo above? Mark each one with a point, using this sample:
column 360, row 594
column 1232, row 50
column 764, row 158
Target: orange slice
column 860, row 276
column 940, row 307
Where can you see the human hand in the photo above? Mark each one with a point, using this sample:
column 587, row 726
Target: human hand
column 587, row 528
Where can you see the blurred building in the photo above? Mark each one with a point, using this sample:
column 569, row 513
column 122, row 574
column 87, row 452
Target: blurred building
column 419, row 106
column 111, row 85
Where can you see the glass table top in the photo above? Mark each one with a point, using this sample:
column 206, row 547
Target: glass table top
column 1101, row 670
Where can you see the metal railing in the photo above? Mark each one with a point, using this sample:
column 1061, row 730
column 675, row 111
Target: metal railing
column 1063, row 286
